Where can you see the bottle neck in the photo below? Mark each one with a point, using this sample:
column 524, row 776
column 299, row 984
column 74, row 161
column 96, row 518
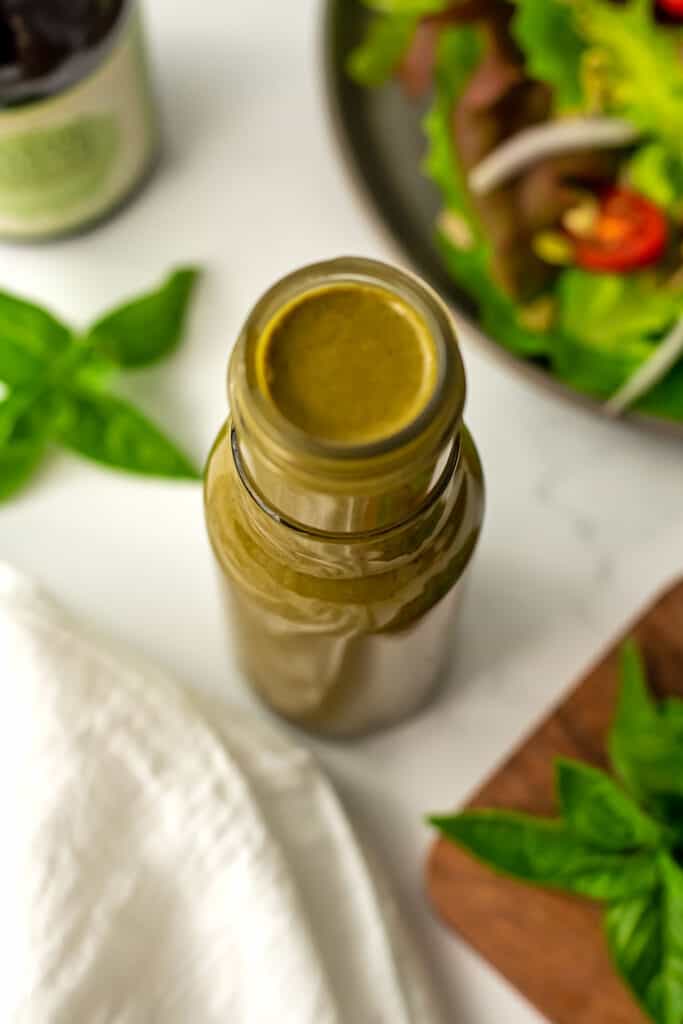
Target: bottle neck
column 345, row 500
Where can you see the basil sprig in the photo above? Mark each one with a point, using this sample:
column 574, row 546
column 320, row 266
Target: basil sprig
column 618, row 841
column 56, row 384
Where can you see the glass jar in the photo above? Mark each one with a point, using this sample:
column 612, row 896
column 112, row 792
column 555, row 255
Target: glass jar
column 78, row 125
column 343, row 564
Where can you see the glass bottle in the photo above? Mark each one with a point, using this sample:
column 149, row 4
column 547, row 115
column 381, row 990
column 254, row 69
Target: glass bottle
column 342, row 566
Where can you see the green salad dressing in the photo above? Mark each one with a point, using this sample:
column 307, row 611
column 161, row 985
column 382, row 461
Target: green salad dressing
column 348, row 363
column 342, row 543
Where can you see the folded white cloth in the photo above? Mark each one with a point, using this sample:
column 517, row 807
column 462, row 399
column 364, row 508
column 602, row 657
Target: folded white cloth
column 163, row 860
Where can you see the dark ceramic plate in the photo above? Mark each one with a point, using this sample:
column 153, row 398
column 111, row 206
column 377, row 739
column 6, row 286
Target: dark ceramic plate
column 381, row 137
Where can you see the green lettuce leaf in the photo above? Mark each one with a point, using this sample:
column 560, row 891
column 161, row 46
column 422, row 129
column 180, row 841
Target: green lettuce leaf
column 415, row 8
column 666, row 399
column 641, row 65
column 380, row 53
column 458, row 55
column 608, row 325
column 546, row 32
column 498, row 314
column 655, row 172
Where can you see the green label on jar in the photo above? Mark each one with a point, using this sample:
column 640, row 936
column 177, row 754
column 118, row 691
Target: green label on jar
column 70, row 159
column 53, row 170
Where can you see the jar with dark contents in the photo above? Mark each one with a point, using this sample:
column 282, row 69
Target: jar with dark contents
column 78, row 125
column 344, row 496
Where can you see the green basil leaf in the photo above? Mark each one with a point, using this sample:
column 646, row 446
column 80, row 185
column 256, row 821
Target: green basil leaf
column 645, row 748
column 634, row 929
column 600, row 813
column 636, row 715
column 654, row 764
column 28, row 420
column 18, row 461
column 30, row 338
column 380, row 53
column 645, row 938
column 636, row 706
column 665, row 998
column 148, row 328
column 110, row 431
column 548, row 853
column 28, row 413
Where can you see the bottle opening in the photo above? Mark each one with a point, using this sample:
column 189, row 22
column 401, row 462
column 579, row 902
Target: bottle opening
column 346, row 392
column 348, row 363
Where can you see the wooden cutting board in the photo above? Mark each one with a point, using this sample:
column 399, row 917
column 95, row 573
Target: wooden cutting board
column 551, row 946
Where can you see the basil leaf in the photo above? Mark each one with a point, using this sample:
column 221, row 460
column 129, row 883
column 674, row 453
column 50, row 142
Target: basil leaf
column 636, row 713
column 645, row 748
column 634, row 936
column 655, row 764
column 599, row 812
column 30, row 338
column 665, row 998
column 18, row 461
column 645, row 938
column 142, row 331
column 380, row 53
column 28, row 420
column 27, row 414
column 548, row 853
column 110, row 431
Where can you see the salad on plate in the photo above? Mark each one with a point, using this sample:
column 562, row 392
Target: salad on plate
column 555, row 136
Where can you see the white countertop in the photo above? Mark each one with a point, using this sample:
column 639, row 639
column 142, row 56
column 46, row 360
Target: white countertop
column 585, row 519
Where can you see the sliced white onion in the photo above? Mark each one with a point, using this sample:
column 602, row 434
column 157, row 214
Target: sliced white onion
column 546, row 140
column 654, row 369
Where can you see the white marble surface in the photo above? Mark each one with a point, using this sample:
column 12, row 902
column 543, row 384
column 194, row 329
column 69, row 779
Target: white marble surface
column 585, row 519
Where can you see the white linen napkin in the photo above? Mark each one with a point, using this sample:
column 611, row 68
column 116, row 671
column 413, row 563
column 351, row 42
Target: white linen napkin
column 163, row 860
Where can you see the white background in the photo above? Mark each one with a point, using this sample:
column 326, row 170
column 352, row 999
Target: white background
column 585, row 519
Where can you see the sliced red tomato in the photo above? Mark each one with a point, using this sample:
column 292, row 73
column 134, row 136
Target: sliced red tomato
column 673, row 7
column 629, row 232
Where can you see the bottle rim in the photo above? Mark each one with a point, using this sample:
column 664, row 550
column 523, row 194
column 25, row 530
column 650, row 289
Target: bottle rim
column 287, row 443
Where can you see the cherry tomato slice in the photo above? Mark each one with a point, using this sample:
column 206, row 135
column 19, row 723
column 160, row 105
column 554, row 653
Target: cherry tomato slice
column 673, row 7
column 629, row 232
